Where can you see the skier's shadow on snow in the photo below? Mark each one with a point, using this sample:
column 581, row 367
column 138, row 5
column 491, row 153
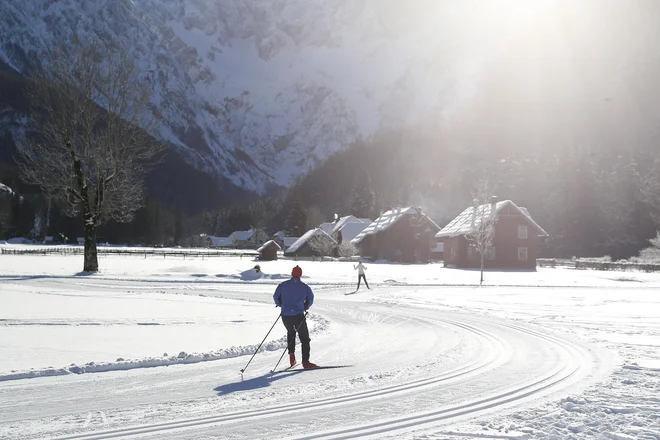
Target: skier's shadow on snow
column 253, row 383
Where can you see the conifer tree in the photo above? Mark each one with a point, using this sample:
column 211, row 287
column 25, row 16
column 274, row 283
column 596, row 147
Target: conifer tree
column 362, row 197
column 297, row 219
column 178, row 226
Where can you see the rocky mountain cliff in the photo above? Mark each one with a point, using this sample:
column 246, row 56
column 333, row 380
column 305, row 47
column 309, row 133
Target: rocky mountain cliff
column 260, row 91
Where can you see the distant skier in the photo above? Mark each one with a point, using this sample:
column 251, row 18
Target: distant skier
column 361, row 268
column 295, row 297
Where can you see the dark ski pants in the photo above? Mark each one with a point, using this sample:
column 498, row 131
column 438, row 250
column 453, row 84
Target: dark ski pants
column 362, row 277
column 297, row 322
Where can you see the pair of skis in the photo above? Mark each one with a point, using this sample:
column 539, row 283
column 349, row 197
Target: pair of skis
column 318, row 367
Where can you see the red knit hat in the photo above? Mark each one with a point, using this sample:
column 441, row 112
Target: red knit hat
column 296, row 272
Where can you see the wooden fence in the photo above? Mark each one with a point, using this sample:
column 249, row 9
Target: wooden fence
column 152, row 252
column 597, row 265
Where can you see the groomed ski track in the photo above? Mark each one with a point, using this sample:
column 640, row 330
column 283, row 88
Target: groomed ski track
column 416, row 369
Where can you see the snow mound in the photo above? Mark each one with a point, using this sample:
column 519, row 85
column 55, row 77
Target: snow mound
column 320, row 325
column 254, row 275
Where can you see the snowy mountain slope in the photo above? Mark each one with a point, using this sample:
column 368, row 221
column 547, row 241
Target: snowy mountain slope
column 260, row 91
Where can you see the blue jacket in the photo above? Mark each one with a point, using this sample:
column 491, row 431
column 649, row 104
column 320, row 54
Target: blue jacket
column 294, row 297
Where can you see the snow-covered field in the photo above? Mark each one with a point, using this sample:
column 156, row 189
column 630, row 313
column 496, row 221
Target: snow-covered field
column 553, row 354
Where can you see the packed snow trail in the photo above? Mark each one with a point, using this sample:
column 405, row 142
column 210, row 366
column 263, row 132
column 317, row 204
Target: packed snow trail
column 414, row 368
column 329, row 409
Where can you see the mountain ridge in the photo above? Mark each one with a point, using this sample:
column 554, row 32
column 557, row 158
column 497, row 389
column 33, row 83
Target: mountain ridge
column 261, row 91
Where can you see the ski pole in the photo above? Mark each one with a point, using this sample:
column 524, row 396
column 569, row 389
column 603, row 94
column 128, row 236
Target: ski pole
column 262, row 342
column 285, row 348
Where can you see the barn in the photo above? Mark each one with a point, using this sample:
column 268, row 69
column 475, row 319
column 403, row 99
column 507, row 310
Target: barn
column 314, row 243
column 400, row 234
column 514, row 241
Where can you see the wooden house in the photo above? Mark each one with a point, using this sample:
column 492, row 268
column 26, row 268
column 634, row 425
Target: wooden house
column 401, row 234
column 347, row 228
column 268, row 251
column 248, row 239
column 281, row 239
column 514, row 241
column 314, row 243
column 211, row 241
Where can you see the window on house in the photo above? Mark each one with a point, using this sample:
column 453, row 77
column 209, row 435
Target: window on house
column 522, row 231
column 522, row 254
column 470, row 254
column 490, row 253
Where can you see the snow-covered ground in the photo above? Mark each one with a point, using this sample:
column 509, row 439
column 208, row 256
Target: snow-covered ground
column 553, row 354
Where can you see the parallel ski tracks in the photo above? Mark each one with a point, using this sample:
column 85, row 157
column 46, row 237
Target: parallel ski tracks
column 496, row 350
column 419, row 420
column 492, row 346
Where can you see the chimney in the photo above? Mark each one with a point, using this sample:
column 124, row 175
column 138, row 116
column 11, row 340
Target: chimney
column 493, row 205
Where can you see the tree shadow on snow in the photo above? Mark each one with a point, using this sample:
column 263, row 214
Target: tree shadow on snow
column 253, row 383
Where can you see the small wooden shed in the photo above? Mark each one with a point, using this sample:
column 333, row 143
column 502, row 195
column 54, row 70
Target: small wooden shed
column 268, row 251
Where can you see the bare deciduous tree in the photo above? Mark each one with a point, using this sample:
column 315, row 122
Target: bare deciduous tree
column 482, row 230
column 323, row 245
column 346, row 249
column 89, row 145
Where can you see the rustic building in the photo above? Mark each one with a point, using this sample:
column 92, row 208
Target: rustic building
column 314, row 243
column 248, row 239
column 514, row 242
column 347, row 228
column 211, row 241
column 284, row 241
column 268, row 251
column 401, row 234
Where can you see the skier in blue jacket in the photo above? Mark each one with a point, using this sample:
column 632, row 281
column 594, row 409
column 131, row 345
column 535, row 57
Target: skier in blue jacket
column 295, row 297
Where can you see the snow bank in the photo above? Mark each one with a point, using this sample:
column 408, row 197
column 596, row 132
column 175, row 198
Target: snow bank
column 253, row 275
column 319, row 325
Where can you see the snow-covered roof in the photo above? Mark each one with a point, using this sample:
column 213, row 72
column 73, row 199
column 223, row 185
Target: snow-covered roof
column 327, row 227
column 269, row 243
column 386, row 220
column 462, row 224
column 219, row 241
column 351, row 230
column 19, row 240
column 5, row 188
column 288, row 241
column 306, row 236
column 242, row 235
column 349, row 219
